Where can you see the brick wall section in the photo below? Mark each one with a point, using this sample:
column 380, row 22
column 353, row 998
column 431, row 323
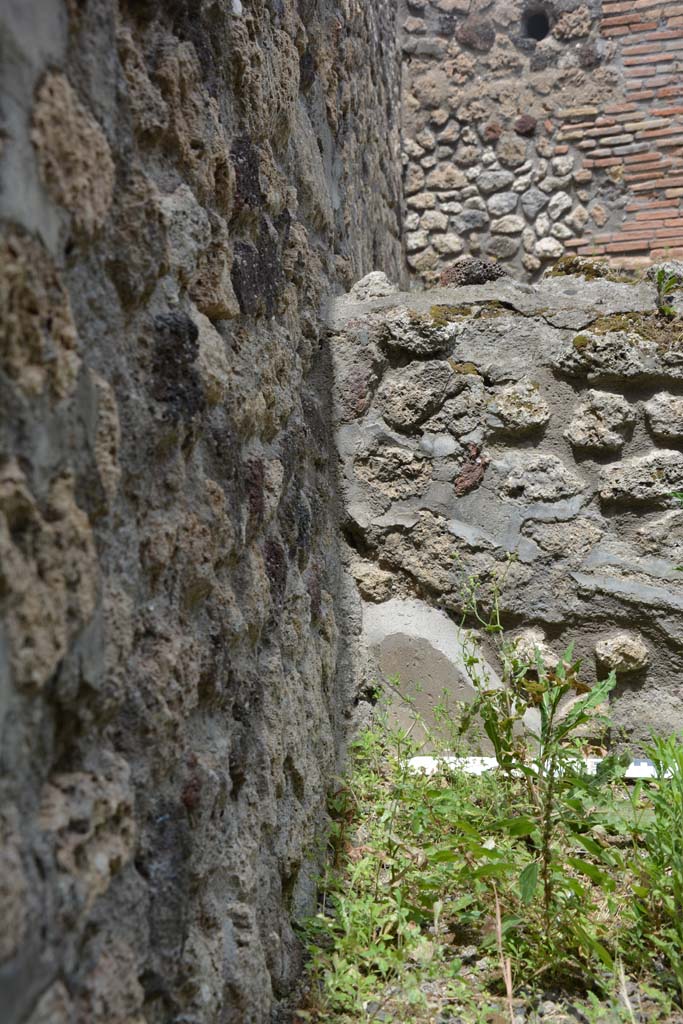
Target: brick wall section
column 524, row 149
column 637, row 143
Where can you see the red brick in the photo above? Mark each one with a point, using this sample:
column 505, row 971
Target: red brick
column 673, row 193
column 666, row 111
column 644, row 94
column 622, row 30
column 659, row 133
column 561, row 150
column 635, row 246
column 591, row 250
column 620, row 108
column 641, row 158
column 672, row 90
column 656, row 58
column 648, row 204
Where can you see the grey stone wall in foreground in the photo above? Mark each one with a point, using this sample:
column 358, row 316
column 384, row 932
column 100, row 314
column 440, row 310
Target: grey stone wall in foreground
column 181, row 184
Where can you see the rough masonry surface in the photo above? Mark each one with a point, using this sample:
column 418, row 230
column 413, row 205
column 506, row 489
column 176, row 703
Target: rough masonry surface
column 181, row 184
column 539, row 422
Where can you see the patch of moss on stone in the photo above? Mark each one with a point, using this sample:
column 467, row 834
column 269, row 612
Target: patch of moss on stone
column 465, row 368
column 591, row 269
column 492, row 309
column 580, row 341
column 664, row 332
column 442, row 315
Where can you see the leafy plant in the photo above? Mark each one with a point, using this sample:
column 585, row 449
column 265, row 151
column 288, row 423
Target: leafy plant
column 556, row 877
column 666, row 285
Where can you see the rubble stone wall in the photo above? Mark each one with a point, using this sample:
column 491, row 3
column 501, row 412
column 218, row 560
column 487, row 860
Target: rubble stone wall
column 524, row 148
column 543, row 422
column 181, row 184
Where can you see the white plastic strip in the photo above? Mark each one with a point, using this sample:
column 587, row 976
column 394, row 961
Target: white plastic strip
column 640, row 768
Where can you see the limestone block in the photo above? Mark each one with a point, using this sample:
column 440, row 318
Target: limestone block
column 599, row 214
column 533, row 201
column 374, row 285
column 73, row 153
column 374, row 584
column 562, row 165
column 450, row 135
column 646, row 479
column 559, row 205
column 433, row 220
column 542, row 225
column 561, row 231
column 494, row 181
column 414, row 179
column 540, row 477
column 429, row 161
column 518, row 408
column 468, row 156
column 531, row 263
column 531, row 645
column 397, row 472
column 510, row 225
column 412, row 149
column 446, row 177
column 552, row 184
column 549, row 248
column 188, row 230
column 449, row 243
column 664, row 414
column 425, row 260
column 403, row 331
column 502, row 246
column 416, row 240
column 617, row 356
column 578, row 218
column 529, row 240
column 409, row 395
column 426, row 139
column 521, row 184
column 511, row 150
column 602, row 421
column 422, row 201
column 414, row 25
column 471, row 220
column 622, row 653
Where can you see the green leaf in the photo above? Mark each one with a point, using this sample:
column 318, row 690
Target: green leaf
column 518, row 826
column 590, row 870
column 444, row 856
column 500, row 869
column 528, row 880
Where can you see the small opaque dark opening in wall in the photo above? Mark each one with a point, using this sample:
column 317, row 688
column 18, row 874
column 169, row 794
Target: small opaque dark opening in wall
column 536, row 25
